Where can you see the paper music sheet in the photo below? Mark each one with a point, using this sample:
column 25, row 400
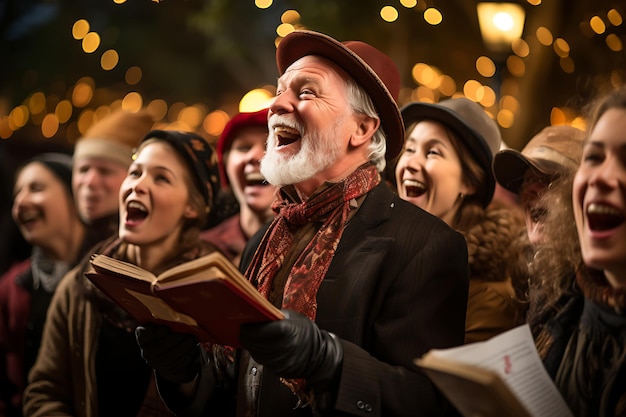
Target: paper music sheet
column 514, row 357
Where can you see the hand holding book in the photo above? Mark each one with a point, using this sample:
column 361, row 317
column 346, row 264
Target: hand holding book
column 207, row 297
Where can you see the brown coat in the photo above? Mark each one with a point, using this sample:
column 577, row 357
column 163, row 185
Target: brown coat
column 492, row 306
column 63, row 380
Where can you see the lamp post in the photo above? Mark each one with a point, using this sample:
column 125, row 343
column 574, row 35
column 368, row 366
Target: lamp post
column 500, row 23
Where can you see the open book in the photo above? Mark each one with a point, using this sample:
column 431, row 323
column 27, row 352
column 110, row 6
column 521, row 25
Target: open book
column 502, row 376
column 207, row 296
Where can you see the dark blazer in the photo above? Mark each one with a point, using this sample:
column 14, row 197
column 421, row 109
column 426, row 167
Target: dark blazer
column 397, row 287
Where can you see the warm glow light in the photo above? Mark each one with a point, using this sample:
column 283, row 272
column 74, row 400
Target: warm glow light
column 80, row 28
column 425, row 94
column 119, row 1
column 49, row 125
column 63, row 111
column 433, row 16
column 192, row 116
column 520, row 48
column 485, row 66
column 470, row 89
column 417, row 71
column 175, row 108
column 429, row 76
column 85, row 120
column 486, row 96
column 544, row 36
column 505, row 118
column 284, row 29
column 157, row 108
column 503, row 21
column 109, row 60
column 408, row 3
column 534, row 2
column 614, row 17
column 215, row 121
column 91, row 42
column 254, row 100
column 557, row 117
column 37, row 103
column 597, row 25
column 516, row 66
column 132, row 102
column 133, row 75
column 290, row 16
column 567, row 64
column 447, row 85
column 579, row 123
column 82, row 94
column 500, row 24
column 561, row 47
column 5, row 131
column 18, row 117
column 263, row 4
column 509, row 103
column 389, row 14
column 614, row 43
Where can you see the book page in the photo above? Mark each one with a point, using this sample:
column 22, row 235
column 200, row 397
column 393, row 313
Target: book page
column 161, row 311
column 513, row 356
column 121, row 268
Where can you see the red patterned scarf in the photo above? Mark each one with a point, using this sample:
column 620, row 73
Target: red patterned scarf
column 330, row 206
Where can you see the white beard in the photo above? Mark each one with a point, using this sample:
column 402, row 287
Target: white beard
column 318, row 151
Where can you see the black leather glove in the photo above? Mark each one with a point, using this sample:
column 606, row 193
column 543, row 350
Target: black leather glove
column 174, row 356
column 294, row 348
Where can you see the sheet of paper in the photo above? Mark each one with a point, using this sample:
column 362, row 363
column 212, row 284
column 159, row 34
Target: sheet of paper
column 514, row 357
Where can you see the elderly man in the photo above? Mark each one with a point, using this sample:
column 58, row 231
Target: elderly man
column 367, row 281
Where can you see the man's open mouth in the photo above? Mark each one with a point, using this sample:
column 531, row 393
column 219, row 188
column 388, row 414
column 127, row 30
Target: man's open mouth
column 286, row 135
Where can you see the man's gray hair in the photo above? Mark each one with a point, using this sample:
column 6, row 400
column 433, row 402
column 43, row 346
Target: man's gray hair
column 362, row 104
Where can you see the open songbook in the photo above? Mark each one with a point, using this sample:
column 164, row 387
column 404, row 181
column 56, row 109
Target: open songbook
column 207, row 296
column 502, row 376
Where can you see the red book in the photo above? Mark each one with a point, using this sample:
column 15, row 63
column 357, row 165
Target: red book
column 207, row 297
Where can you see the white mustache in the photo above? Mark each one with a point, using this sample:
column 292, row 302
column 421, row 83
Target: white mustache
column 278, row 120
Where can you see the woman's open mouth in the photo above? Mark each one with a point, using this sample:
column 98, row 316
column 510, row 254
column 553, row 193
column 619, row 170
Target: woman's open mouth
column 414, row 188
column 604, row 217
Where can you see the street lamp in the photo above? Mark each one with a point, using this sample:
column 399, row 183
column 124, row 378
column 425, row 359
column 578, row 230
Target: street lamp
column 500, row 24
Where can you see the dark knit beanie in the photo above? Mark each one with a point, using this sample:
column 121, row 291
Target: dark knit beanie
column 199, row 155
column 60, row 165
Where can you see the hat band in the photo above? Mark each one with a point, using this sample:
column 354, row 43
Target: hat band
column 551, row 155
column 101, row 148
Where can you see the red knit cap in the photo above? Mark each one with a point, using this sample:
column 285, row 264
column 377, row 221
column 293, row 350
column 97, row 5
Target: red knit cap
column 232, row 128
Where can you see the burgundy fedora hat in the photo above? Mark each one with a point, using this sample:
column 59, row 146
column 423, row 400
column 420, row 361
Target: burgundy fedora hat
column 369, row 67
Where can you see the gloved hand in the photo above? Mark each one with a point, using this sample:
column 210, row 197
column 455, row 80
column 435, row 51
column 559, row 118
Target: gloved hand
column 294, row 347
column 174, row 356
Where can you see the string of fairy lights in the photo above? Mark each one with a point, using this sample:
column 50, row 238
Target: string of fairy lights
column 77, row 110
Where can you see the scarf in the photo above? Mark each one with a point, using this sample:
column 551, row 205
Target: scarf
column 47, row 273
column 330, row 206
column 584, row 347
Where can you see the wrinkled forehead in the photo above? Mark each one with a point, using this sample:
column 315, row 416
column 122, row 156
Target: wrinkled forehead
column 312, row 65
